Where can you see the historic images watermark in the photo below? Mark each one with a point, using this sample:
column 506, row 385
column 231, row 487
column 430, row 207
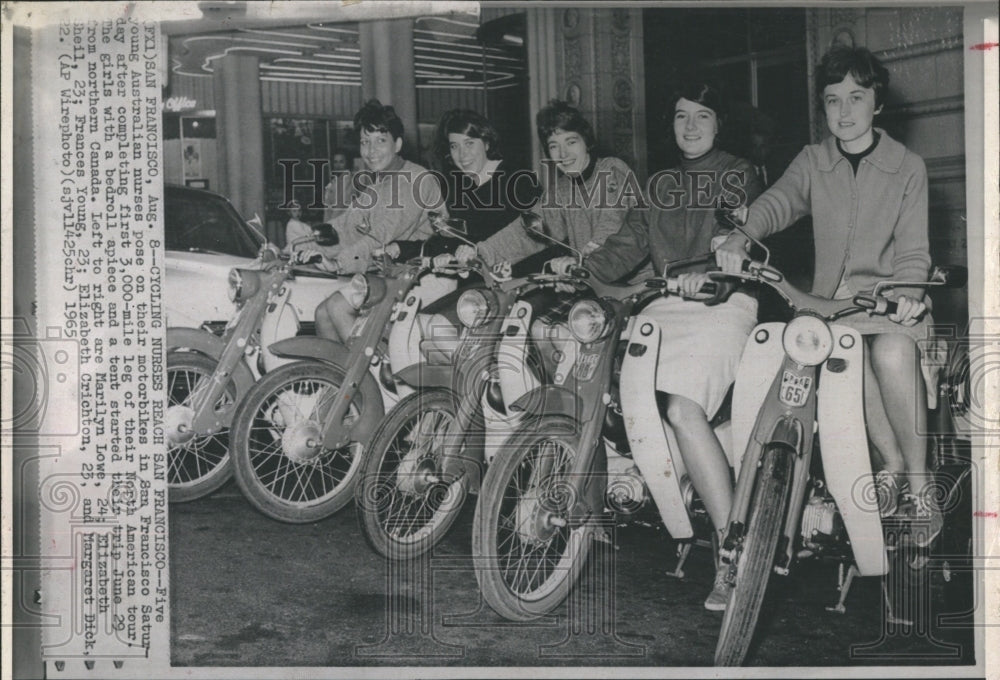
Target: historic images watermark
column 671, row 189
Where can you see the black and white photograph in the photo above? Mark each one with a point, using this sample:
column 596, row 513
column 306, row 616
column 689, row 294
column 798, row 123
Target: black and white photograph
column 498, row 339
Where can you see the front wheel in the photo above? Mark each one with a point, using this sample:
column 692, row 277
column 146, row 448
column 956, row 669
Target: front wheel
column 197, row 464
column 756, row 559
column 527, row 556
column 280, row 463
column 404, row 503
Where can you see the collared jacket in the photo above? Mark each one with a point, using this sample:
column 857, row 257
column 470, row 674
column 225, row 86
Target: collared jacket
column 394, row 206
column 866, row 228
column 580, row 211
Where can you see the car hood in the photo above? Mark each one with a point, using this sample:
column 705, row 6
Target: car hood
column 196, row 289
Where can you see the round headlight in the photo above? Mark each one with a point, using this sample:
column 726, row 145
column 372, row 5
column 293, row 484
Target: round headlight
column 474, row 308
column 807, row 340
column 235, row 282
column 588, row 321
column 243, row 284
column 357, row 291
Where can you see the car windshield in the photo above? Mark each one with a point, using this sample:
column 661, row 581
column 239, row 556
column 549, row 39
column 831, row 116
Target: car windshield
column 198, row 221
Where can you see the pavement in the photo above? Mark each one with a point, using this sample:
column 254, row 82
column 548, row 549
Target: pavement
column 250, row 591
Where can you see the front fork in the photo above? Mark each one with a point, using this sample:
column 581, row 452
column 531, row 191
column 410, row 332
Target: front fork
column 788, row 425
column 206, row 419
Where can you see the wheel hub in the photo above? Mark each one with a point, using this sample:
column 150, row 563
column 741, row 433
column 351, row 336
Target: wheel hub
column 301, row 442
column 177, row 423
column 536, row 521
column 416, row 475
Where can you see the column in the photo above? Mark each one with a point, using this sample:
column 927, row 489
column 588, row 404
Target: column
column 387, row 73
column 240, row 131
column 542, row 48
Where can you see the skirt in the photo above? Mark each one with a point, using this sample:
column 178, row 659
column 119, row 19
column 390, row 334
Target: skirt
column 701, row 346
column 871, row 324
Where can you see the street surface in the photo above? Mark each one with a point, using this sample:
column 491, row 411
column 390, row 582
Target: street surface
column 249, row 591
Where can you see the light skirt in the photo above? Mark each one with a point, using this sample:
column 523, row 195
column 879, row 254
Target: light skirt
column 700, row 346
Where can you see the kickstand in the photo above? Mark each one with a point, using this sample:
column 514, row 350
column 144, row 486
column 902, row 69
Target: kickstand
column 683, row 550
column 890, row 616
column 844, row 586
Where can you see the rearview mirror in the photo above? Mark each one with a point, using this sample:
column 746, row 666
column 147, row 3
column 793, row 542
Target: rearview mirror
column 533, row 224
column 452, row 227
column 325, row 235
column 950, row 275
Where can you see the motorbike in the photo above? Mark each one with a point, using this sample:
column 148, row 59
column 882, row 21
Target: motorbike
column 300, row 433
column 794, row 379
column 208, row 373
column 428, row 454
column 571, row 458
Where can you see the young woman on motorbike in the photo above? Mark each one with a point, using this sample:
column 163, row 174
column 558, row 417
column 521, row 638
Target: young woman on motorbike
column 867, row 194
column 391, row 201
column 584, row 197
column 700, row 345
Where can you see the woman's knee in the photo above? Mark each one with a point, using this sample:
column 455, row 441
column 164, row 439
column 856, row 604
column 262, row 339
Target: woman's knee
column 893, row 353
column 681, row 411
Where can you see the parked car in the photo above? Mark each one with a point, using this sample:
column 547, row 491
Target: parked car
column 205, row 238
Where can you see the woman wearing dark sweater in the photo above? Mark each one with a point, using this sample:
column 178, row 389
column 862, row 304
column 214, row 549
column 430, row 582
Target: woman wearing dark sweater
column 700, row 346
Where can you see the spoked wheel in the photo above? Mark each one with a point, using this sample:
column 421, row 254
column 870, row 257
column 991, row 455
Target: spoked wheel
column 280, row 462
column 756, row 559
column 405, row 504
column 197, row 464
column 527, row 556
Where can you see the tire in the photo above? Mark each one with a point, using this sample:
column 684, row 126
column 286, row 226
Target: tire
column 402, row 513
column 526, row 574
column 196, row 465
column 756, row 560
column 278, row 472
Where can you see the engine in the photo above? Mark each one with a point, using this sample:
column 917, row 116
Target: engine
column 821, row 522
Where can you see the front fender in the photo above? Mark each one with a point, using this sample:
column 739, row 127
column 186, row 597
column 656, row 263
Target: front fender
column 549, row 399
column 424, row 375
column 308, row 347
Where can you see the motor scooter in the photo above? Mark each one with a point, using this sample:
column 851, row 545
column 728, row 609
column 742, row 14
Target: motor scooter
column 299, row 435
column 796, row 378
column 570, row 458
column 428, row 454
column 208, row 373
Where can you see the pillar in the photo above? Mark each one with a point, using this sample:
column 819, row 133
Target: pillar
column 240, row 131
column 542, row 51
column 387, row 73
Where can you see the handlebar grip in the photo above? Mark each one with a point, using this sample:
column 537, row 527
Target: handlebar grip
column 878, row 306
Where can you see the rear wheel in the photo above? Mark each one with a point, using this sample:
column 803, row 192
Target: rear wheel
column 280, row 463
column 197, row 464
column 756, row 559
column 404, row 503
column 526, row 555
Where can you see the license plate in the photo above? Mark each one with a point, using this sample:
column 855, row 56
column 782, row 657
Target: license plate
column 795, row 389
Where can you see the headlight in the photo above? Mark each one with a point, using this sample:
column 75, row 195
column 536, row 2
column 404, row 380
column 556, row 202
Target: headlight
column 474, row 308
column 588, row 320
column 357, row 291
column 807, row 340
column 243, row 284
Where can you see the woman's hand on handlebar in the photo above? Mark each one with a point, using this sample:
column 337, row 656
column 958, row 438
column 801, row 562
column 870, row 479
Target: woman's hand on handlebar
column 444, row 260
column 391, row 249
column 690, row 283
column 731, row 253
column 463, row 254
column 306, row 256
column 561, row 266
column 908, row 310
